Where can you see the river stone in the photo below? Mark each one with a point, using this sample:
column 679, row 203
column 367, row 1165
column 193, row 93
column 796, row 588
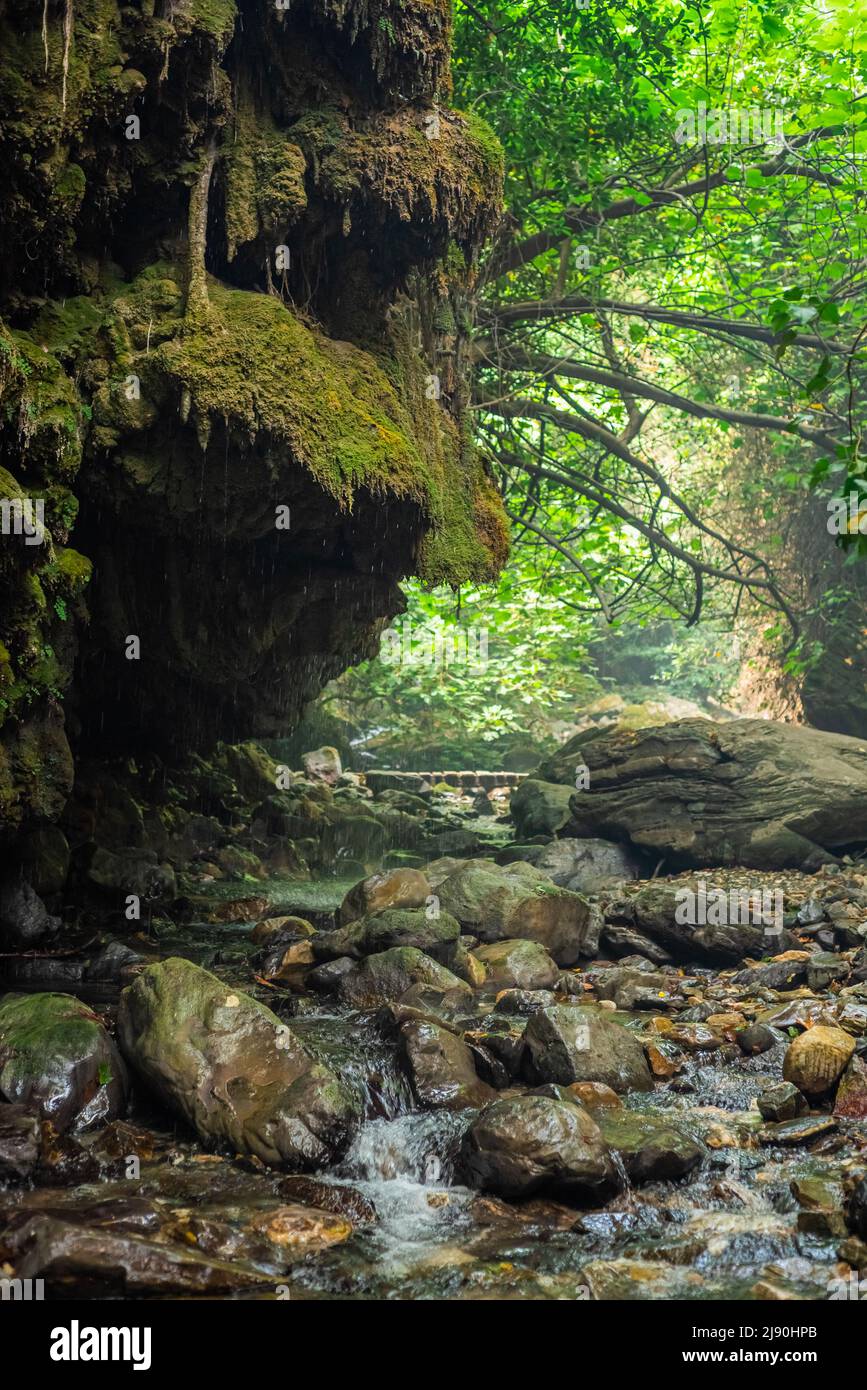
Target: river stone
column 499, row 903
column 395, row 927
column 517, row 965
column 586, row 866
column 816, row 1059
column 130, row 870
column 230, row 1067
column 23, row 915
column 441, row 1068
column 653, row 911
column 650, row 1149
column 55, row 1055
column 781, row 1101
column 851, row 1100
column 540, row 808
column 384, row 977
column 531, row 1144
column 568, row 1043
column 397, row 888
column 752, row 792
column 823, row 968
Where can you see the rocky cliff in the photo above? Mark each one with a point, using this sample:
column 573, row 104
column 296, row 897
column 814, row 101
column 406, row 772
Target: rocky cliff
column 239, row 238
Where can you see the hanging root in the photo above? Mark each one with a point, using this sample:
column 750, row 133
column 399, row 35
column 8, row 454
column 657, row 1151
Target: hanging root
column 45, row 31
column 197, row 234
column 67, row 44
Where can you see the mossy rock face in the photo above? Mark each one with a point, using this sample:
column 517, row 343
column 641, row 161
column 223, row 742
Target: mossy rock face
column 55, row 1055
column 258, row 438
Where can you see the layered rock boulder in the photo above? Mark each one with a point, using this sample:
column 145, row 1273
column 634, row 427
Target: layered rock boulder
column 230, row 1068
column 750, row 791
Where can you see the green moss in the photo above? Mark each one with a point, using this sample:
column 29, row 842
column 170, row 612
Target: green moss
column 437, row 167
column 265, row 191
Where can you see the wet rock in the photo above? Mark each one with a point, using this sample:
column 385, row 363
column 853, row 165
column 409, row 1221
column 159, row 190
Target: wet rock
column 301, row 1229
column 587, row 866
column 398, row 888
column 540, row 808
column 45, row 856
column 499, row 903
column 46, row 1246
column 856, row 1208
column 594, row 1095
column 823, row 968
column 650, row 1149
column 466, row 965
column 816, row 1059
column 664, row 1058
column 437, row 935
column 757, row 1038
column 230, row 1067
column 339, row 1198
column 655, row 912
column 522, row 1002
column 441, row 1069
column 327, row 978
column 624, row 940
column 752, row 792
column 780, row 1102
column 778, row 974
column 273, row 929
column 323, row 765
column 851, row 1099
column 19, row 1141
column 55, row 1055
column 568, row 1043
column 24, row 919
column 535, row 1144
column 115, row 963
column 800, row 1131
column 130, row 870
column 523, row 965
column 386, row 976
column 630, row 989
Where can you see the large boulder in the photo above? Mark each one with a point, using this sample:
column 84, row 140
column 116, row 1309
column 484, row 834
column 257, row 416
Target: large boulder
column 230, row 1067
column 396, row 888
column 383, row 978
column 530, row 1144
column 658, row 912
column 24, row 919
column 540, row 808
column 587, row 866
column 517, row 965
column 502, row 902
column 436, row 935
column 567, row 1043
column 751, row 791
column 441, row 1068
column 56, row 1056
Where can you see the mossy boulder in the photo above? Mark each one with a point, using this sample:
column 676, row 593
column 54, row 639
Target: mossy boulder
column 436, row 935
column 517, row 965
column 567, row 1043
column 500, row 903
column 538, row 1144
column 56, row 1057
column 383, row 978
column 230, row 1068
